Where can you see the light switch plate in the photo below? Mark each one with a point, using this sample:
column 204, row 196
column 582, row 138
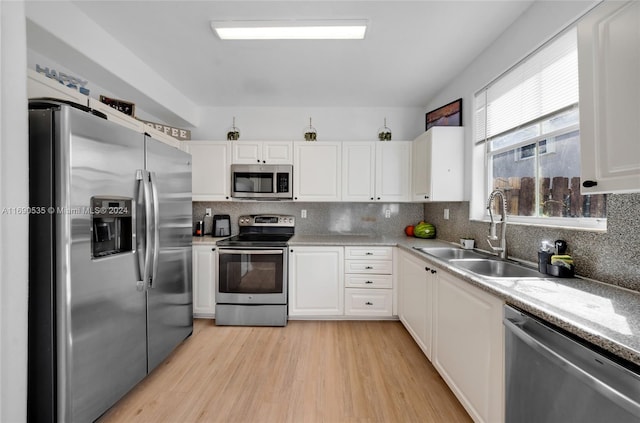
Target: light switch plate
column 446, row 214
column 303, row 214
column 207, row 212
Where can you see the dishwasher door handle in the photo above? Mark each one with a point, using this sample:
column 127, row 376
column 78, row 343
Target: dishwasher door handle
column 599, row 386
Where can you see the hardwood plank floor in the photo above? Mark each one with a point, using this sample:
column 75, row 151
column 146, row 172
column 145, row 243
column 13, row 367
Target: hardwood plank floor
column 308, row 371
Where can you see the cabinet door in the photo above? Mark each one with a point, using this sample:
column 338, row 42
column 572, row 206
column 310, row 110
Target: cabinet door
column 421, row 164
column 277, row 152
column 246, row 152
column 205, row 274
column 609, row 62
column 317, row 171
column 393, row 171
column 438, row 165
column 415, row 303
column 210, row 180
column 358, row 171
column 316, row 281
column 469, row 346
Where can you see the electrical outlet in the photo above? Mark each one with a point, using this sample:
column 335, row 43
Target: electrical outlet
column 446, row 214
column 387, row 214
column 303, row 214
column 207, row 212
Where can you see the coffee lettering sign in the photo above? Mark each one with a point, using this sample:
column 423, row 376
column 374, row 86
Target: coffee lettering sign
column 177, row 133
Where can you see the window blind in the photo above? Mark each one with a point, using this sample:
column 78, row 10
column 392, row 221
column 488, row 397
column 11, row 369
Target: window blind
column 542, row 83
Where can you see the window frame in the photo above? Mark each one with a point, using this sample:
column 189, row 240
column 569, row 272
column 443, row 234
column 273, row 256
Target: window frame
column 481, row 171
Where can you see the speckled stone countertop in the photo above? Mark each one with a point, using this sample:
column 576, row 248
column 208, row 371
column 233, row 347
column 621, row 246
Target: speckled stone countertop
column 206, row 240
column 604, row 315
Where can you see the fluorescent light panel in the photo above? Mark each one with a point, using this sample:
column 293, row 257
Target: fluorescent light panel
column 290, row 30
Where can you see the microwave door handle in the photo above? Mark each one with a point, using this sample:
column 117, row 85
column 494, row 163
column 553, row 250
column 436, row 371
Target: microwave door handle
column 250, row 252
column 156, row 226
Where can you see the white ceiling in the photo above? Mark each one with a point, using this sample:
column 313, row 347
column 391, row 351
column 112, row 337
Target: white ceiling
column 411, row 50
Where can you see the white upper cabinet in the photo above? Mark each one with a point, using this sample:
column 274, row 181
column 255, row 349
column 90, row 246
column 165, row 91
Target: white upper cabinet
column 317, row 171
column 393, row 171
column 269, row 152
column 438, row 165
column 358, row 171
column 210, row 170
column 609, row 66
column 376, row 171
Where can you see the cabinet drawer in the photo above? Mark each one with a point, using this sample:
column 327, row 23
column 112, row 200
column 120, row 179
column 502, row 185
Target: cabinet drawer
column 366, row 266
column 368, row 302
column 368, row 253
column 355, row 280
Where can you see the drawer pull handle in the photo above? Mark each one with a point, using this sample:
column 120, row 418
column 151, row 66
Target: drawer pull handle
column 369, row 303
column 369, row 253
column 427, row 268
column 368, row 282
column 368, row 267
column 433, row 271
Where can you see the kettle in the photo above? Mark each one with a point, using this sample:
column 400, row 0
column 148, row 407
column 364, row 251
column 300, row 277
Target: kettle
column 221, row 225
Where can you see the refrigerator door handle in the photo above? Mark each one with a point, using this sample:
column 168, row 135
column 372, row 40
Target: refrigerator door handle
column 156, row 227
column 138, row 241
column 148, row 213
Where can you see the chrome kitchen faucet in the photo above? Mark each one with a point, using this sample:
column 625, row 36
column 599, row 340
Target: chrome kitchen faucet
column 502, row 249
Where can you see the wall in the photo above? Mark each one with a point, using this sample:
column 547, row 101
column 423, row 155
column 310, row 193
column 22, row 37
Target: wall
column 322, row 218
column 290, row 123
column 13, row 227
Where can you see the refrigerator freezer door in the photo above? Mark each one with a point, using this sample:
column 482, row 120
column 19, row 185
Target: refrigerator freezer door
column 170, row 295
column 100, row 330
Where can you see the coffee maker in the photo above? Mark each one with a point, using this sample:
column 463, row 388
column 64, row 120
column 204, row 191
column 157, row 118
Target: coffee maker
column 221, row 225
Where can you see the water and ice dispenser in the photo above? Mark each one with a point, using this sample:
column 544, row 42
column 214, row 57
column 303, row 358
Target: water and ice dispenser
column 111, row 226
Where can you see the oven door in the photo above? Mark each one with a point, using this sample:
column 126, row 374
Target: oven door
column 252, row 276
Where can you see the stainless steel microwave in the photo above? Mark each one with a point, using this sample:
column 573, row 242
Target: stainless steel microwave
column 262, row 182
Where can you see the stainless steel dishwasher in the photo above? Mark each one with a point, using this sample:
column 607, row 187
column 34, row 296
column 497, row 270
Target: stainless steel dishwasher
column 553, row 378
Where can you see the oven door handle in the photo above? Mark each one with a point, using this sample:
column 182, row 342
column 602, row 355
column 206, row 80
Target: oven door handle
column 252, row 252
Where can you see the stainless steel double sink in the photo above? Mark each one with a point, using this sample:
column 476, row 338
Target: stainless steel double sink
column 479, row 263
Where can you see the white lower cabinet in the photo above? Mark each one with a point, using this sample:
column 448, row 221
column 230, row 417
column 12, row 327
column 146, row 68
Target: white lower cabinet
column 368, row 281
column 415, row 294
column 316, row 281
column 205, row 274
column 468, row 346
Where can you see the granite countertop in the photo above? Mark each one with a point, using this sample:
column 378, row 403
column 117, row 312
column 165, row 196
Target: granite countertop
column 206, row 240
column 602, row 314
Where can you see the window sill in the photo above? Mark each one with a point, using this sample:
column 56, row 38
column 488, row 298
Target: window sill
column 587, row 225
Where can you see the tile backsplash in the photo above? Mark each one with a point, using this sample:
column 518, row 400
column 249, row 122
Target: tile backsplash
column 336, row 218
column 612, row 257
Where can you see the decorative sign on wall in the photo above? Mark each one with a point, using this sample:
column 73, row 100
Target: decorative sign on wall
column 177, row 133
column 447, row 115
column 64, row 78
column 122, row 106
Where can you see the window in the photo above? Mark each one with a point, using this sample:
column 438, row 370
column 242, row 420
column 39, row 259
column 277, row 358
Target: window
column 527, row 124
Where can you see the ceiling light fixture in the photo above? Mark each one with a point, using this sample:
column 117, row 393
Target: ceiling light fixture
column 290, row 30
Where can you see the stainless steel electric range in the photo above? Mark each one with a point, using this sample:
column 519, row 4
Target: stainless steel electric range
column 252, row 266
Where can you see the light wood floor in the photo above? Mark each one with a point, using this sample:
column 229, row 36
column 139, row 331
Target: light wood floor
column 308, row 371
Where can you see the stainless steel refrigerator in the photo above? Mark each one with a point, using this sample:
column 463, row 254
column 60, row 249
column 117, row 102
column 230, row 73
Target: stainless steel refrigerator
column 110, row 284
